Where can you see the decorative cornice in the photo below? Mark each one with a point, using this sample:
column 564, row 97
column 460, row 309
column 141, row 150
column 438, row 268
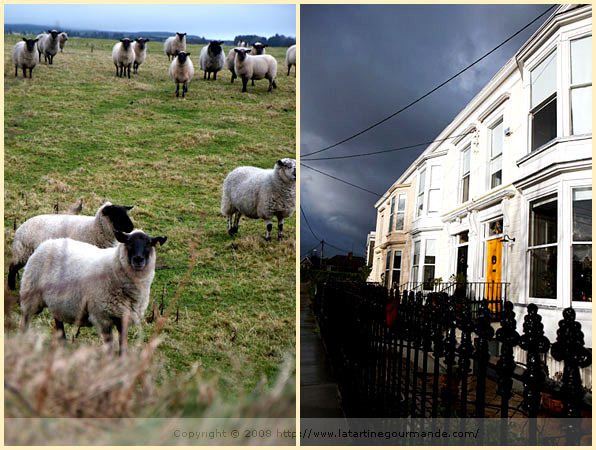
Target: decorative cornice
column 483, row 202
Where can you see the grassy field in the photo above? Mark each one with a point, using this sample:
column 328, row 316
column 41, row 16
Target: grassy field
column 76, row 131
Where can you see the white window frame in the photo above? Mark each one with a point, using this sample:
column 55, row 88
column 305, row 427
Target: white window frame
column 402, row 211
column 491, row 158
column 391, row 212
column 387, row 268
column 574, row 86
column 421, row 191
column 568, row 189
column 414, row 278
column 393, row 269
column 463, row 174
column 434, row 187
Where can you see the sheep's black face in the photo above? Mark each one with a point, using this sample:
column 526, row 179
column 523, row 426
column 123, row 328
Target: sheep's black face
column 180, row 36
column 141, row 42
column 287, row 167
column 30, row 43
column 259, row 48
column 241, row 53
column 126, row 43
column 119, row 218
column 54, row 34
column 215, row 48
column 182, row 57
column 138, row 247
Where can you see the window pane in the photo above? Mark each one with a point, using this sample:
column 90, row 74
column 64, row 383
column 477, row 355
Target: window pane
column 463, row 237
column 422, row 181
column 581, row 60
column 495, row 227
column 399, row 221
column 397, row 259
column 544, row 79
column 420, row 203
column 388, row 262
column 396, row 278
column 415, row 274
column 544, row 124
column 495, row 172
column 465, row 161
column 582, row 215
column 582, row 273
column 429, row 274
column 401, row 204
column 543, row 272
column 434, row 200
column 435, row 176
column 430, row 253
column 416, row 253
column 496, row 145
column 581, row 110
column 465, row 191
column 543, row 221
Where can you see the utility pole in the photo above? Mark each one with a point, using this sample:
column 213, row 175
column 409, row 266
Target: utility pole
column 322, row 249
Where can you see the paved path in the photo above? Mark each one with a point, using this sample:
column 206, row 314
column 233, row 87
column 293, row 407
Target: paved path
column 318, row 388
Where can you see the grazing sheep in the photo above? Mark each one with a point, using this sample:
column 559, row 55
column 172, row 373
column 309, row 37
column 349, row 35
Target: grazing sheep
column 63, row 38
column 258, row 49
column 89, row 286
column 24, row 56
column 249, row 67
column 212, row 59
column 49, row 45
column 123, row 56
column 230, row 63
column 140, row 49
column 39, row 38
column 173, row 44
column 291, row 57
column 181, row 71
column 260, row 193
column 98, row 230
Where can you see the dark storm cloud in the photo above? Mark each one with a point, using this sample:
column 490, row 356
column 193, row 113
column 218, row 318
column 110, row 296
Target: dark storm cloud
column 360, row 63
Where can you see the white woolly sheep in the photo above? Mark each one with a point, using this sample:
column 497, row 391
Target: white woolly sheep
column 48, row 45
column 98, row 230
column 258, row 49
column 139, row 47
column 87, row 286
column 249, row 67
column 212, row 59
column 291, row 57
column 173, row 44
column 39, row 39
column 24, row 56
column 260, row 194
column 63, row 38
column 181, row 71
column 230, row 63
column 123, row 56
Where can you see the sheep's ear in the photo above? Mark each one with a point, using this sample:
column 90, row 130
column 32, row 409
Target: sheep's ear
column 266, row 45
column 220, row 42
column 122, row 40
column 188, row 54
column 176, row 52
column 237, row 50
column 146, row 40
column 128, row 208
column 25, row 39
column 280, row 163
column 161, row 239
column 121, row 236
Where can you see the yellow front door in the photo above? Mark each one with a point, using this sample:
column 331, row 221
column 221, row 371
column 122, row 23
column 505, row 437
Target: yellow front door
column 494, row 255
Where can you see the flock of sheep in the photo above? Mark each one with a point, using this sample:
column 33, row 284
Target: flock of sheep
column 98, row 270
column 244, row 62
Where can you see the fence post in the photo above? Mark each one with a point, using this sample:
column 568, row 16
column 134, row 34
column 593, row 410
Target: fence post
column 450, row 351
column 534, row 342
column 438, row 348
column 509, row 338
column 416, row 338
column 485, row 331
column 427, row 336
column 465, row 350
column 569, row 348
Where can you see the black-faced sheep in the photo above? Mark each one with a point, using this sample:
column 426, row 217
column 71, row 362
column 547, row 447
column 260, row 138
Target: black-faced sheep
column 25, row 56
column 249, row 67
column 291, row 57
column 181, row 71
column 123, row 57
column 139, row 47
column 174, row 44
column 49, row 45
column 212, row 59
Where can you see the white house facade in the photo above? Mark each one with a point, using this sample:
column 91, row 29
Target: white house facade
column 508, row 202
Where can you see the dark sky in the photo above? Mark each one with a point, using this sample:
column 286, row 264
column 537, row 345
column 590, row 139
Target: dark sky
column 361, row 63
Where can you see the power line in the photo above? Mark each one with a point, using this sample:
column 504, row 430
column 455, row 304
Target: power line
column 309, row 227
column 386, row 151
column 339, row 179
column 431, row 91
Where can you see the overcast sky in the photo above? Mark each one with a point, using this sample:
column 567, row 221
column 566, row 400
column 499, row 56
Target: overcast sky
column 211, row 21
column 372, row 61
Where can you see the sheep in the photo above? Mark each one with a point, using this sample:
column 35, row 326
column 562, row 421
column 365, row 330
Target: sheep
column 24, row 56
column 63, row 38
column 140, row 49
column 230, row 63
column 49, row 45
column 258, row 49
column 88, row 286
column 123, row 56
column 260, row 193
column 39, row 38
column 212, row 59
column 181, row 71
column 98, row 230
column 249, row 67
column 291, row 57
column 173, row 44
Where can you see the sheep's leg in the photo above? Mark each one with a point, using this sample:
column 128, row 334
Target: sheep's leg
column 289, row 67
column 60, row 328
column 31, row 73
column 13, row 270
column 274, row 84
column 230, row 226
column 236, row 222
column 269, row 228
column 122, row 327
column 205, row 75
column 252, row 83
column 31, row 305
column 214, row 76
column 16, row 71
column 108, row 339
column 184, row 88
column 135, row 67
column 116, row 65
column 128, row 68
column 233, row 77
column 244, row 83
column 177, row 89
column 280, row 227
column 24, row 72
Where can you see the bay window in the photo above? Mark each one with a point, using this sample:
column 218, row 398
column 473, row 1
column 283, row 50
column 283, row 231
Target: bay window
column 581, row 280
column 496, row 151
column 581, row 85
column 400, row 215
column 542, row 247
column 465, row 175
column 543, row 113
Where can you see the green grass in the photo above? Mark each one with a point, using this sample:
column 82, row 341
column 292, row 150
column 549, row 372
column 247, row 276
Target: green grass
column 76, row 131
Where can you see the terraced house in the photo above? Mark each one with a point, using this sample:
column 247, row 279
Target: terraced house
column 506, row 209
